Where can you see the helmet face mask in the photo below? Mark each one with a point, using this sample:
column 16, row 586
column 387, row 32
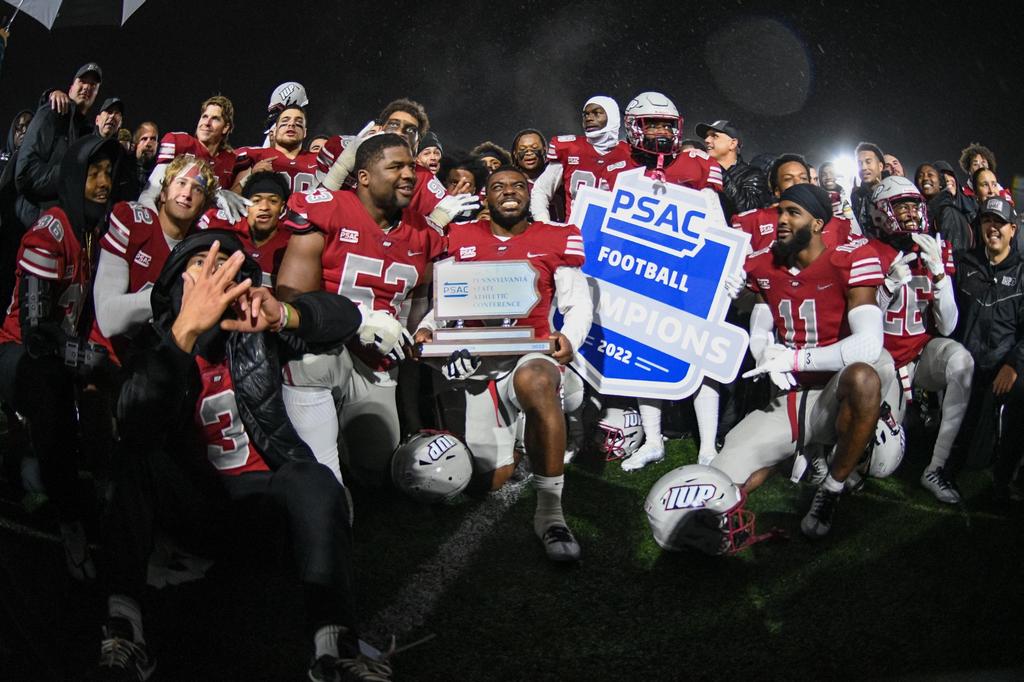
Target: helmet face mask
column 619, row 433
column 888, row 447
column 886, row 195
column 648, row 109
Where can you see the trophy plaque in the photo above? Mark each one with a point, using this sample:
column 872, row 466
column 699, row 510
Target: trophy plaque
column 480, row 301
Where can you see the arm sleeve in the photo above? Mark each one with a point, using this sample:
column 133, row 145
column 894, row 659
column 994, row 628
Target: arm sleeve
column 575, row 303
column 944, row 310
column 116, row 310
column 325, row 318
column 35, row 172
column 543, row 190
column 864, row 344
column 762, row 330
column 150, row 194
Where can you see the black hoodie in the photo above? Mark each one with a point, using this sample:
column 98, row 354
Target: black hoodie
column 158, row 403
column 9, row 148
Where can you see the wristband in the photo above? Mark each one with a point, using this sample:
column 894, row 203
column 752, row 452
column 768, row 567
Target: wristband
column 282, row 320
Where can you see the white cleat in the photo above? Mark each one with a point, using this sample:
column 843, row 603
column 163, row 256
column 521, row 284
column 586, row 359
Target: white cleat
column 648, row 453
column 935, row 481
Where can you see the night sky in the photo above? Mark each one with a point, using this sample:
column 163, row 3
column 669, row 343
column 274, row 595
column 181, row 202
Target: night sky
column 921, row 83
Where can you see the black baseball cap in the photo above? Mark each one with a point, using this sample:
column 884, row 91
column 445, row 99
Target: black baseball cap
column 112, row 103
column 721, row 126
column 91, row 67
column 998, row 207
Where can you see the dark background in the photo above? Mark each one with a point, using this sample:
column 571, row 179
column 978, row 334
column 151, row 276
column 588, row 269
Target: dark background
column 922, row 83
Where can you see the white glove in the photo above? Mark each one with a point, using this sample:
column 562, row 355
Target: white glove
column 777, row 362
column 735, row 283
column 233, row 206
column 931, row 253
column 899, row 272
column 460, row 365
column 380, row 330
column 346, row 161
column 450, row 207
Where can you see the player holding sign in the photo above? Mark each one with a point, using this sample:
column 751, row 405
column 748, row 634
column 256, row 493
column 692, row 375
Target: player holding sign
column 536, row 384
column 819, row 301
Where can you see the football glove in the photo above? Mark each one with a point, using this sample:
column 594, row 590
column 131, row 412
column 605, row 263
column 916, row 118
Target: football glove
column 931, row 253
column 380, row 330
column 777, row 362
column 451, row 207
column 460, row 365
column 735, row 283
column 346, row 161
column 233, row 206
column 899, row 272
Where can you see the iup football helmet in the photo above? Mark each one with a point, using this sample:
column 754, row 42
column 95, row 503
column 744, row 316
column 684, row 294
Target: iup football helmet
column 649, row 106
column 698, row 507
column 889, row 445
column 619, row 432
column 431, row 466
column 892, row 190
column 288, row 94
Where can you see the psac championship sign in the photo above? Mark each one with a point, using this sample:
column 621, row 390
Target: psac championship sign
column 657, row 257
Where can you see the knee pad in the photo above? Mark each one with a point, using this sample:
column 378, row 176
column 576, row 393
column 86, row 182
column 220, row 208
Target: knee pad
column 960, row 368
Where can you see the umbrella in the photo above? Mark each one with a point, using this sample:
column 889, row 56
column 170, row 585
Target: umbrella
column 59, row 14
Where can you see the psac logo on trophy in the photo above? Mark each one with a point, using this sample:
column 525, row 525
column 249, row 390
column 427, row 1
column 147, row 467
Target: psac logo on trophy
column 657, row 256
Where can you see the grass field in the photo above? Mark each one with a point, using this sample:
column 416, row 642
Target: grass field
column 904, row 587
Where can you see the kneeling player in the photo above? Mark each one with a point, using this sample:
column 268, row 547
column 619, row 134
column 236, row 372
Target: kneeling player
column 535, row 384
column 917, row 287
column 810, row 295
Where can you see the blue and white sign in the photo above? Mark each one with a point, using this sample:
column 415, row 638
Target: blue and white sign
column 657, row 258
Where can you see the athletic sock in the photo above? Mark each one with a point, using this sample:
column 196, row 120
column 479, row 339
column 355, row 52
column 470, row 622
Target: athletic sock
column 549, row 502
column 326, row 641
column 832, row 485
column 313, row 414
column 123, row 606
column 705, row 406
column 650, row 417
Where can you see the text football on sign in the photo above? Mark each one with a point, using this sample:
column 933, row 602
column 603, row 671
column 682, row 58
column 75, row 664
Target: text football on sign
column 657, row 257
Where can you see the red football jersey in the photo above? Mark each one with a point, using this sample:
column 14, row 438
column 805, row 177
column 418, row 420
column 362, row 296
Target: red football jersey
column 762, row 223
column 134, row 235
column 546, row 247
column 691, row 168
column 809, row 305
column 301, row 172
column 362, row 262
column 175, row 144
column 584, row 166
column 907, row 323
column 51, row 251
column 428, row 192
column 268, row 254
column 227, row 444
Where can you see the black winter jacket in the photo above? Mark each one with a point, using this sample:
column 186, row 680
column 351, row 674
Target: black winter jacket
column 745, row 187
column 991, row 303
column 950, row 220
column 158, row 401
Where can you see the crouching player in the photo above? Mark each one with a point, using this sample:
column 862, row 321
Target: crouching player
column 536, row 384
column 208, row 450
column 820, row 302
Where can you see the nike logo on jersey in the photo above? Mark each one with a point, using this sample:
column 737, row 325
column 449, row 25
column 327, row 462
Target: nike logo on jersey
column 822, row 287
column 534, row 255
column 410, row 254
column 616, row 166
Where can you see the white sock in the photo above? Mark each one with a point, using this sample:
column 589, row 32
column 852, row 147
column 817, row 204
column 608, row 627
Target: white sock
column 549, row 502
column 959, row 372
column 123, row 606
column 650, row 417
column 315, row 418
column 832, row 485
column 326, row 641
column 705, row 405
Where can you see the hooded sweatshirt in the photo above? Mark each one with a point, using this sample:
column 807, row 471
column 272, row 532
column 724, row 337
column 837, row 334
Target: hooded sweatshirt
column 9, row 147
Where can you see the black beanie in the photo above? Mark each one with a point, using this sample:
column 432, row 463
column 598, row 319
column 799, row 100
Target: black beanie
column 811, row 198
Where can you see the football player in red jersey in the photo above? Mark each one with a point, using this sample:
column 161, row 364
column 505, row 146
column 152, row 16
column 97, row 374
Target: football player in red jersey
column 285, row 155
column 820, row 303
column 760, row 223
column 591, row 161
column 654, row 130
column 136, row 245
column 408, row 119
column 371, row 247
column 208, row 449
column 918, row 304
column 536, row 384
column 261, row 232
column 43, row 353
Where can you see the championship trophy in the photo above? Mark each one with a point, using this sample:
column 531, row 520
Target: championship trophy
column 482, row 301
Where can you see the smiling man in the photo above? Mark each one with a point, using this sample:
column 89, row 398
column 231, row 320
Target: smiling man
column 285, row 155
column 870, row 165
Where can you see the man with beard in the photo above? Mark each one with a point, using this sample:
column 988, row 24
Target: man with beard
column 870, row 165
column 264, row 239
column 43, row 356
column 943, row 210
column 917, row 300
column 819, row 302
column 370, row 246
column 136, row 246
column 499, row 388
column 285, row 154
column 573, row 162
column 145, row 143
